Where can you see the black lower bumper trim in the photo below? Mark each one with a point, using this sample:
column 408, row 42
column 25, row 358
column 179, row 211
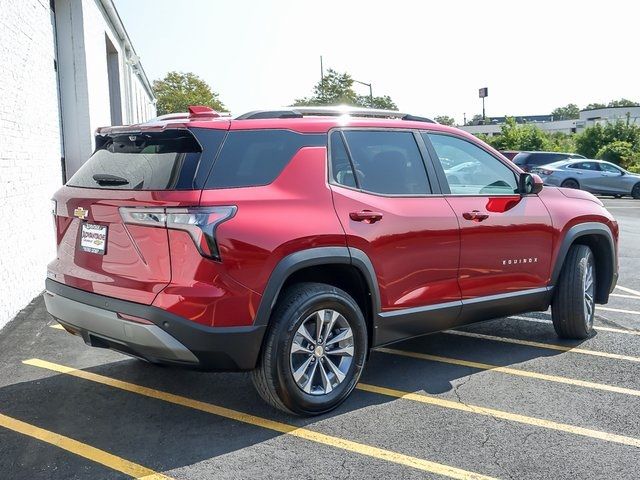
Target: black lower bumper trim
column 217, row 348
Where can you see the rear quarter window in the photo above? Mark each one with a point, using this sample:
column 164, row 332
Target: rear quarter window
column 250, row 158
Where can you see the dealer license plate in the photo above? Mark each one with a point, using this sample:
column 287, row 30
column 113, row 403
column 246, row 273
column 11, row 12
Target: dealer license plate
column 93, row 238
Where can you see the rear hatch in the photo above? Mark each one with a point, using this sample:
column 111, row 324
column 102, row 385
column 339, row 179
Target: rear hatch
column 96, row 250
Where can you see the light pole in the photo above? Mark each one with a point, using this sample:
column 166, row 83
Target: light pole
column 370, row 91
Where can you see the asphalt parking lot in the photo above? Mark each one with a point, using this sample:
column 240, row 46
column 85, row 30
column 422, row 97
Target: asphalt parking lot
column 502, row 399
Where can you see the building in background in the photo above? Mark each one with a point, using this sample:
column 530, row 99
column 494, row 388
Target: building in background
column 66, row 68
column 587, row 118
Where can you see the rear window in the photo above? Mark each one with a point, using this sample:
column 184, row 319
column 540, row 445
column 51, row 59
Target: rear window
column 143, row 161
column 251, row 158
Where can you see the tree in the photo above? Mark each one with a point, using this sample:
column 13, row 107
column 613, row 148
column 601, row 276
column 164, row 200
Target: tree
column 618, row 152
column 623, row 102
column 445, row 120
column 594, row 106
column 177, row 90
column 337, row 88
column 519, row 137
column 593, row 139
column 568, row 112
column 384, row 102
column 477, row 119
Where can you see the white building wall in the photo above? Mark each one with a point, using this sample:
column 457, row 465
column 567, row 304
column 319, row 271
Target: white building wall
column 83, row 26
column 30, row 166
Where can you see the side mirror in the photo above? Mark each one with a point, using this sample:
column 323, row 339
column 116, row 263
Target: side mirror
column 530, row 184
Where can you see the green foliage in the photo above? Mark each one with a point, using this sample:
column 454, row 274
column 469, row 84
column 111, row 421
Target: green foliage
column 177, row 90
column 593, row 106
column 337, row 88
column 568, row 112
column 623, row 102
column 475, row 120
column 618, row 152
column 591, row 140
column 519, row 137
column 561, row 142
column 445, row 120
column 383, row 102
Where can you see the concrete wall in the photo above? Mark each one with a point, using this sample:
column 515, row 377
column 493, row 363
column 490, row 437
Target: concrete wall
column 30, row 151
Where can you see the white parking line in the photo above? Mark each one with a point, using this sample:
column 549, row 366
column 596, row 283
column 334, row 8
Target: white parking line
column 628, row 290
column 622, row 295
column 550, row 346
column 597, row 328
column 618, row 310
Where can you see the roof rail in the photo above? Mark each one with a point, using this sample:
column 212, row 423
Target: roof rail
column 331, row 111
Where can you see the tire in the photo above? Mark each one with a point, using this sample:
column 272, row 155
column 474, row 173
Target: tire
column 635, row 192
column 571, row 183
column 573, row 306
column 309, row 394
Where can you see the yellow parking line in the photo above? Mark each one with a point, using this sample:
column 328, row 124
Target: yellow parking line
column 57, row 326
column 511, row 371
column 81, row 449
column 618, row 310
column 490, row 412
column 280, row 427
column 597, row 328
column 549, row 346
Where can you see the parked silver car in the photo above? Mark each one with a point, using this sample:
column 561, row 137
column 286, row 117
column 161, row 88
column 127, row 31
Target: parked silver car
column 595, row 176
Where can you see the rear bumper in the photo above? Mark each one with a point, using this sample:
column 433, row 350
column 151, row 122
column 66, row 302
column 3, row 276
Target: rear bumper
column 167, row 339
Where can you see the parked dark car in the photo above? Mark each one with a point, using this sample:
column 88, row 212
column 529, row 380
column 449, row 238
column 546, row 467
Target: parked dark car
column 510, row 154
column 527, row 160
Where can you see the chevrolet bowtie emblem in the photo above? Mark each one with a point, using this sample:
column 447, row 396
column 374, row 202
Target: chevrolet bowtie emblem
column 81, row 213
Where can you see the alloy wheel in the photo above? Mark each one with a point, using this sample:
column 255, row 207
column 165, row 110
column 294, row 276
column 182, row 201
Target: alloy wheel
column 589, row 289
column 321, row 352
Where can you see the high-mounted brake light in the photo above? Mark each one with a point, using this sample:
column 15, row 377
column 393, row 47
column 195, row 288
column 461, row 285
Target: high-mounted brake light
column 201, row 111
column 199, row 222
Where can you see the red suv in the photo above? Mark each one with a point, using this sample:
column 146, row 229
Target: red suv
column 291, row 242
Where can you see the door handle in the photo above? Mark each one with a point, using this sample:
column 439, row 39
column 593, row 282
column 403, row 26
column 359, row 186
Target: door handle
column 365, row 216
column 475, row 216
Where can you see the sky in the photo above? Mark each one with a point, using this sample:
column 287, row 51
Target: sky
column 431, row 57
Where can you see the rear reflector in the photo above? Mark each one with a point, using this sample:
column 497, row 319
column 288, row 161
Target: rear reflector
column 134, row 319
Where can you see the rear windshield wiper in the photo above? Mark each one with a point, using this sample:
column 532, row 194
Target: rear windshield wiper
column 107, row 179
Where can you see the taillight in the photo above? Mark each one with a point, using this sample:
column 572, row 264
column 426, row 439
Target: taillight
column 543, row 171
column 199, row 222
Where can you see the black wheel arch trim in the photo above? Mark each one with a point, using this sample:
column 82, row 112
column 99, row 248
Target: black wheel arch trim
column 315, row 257
column 610, row 264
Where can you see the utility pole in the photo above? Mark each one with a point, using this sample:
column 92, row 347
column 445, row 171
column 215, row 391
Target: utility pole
column 370, row 91
column 321, row 78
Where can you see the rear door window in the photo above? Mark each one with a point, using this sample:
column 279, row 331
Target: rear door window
column 385, row 162
column 585, row 166
column 143, row 161
column 252, row 158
